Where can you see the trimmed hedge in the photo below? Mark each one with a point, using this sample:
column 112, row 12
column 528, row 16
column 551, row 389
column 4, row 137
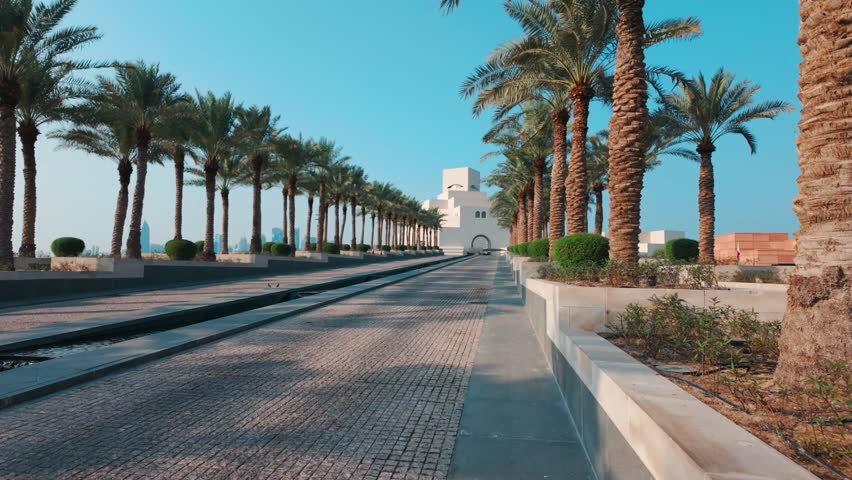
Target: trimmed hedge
column 538, row 248
column 199, row 246
column 581, row 249
column 386, row 248
column 401, row 248
column 181, row 249
column 682, row 249
column 330, row 248
column 266, row 247
column 522, row 249
column 280, row 249
column 363, row 247
column 67, row 247
column 345, row 247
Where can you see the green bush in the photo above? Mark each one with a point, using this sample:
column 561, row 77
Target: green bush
column 682, row 249
column 181, row 249
column 522, row 249
column 401, row 248
column 199, row 246
column 363, row 247
column 345, row 247
column 581, row 248
column 386, row 248
column 312, row 247
column 67, row 247
column 331, row 248
column 267, row 248
column 280, row 249
column 538, row 248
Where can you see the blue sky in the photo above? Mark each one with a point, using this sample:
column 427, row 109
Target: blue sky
column 382, row 78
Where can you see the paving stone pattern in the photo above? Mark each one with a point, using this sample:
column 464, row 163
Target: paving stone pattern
column 16, row 319
column 368, row 388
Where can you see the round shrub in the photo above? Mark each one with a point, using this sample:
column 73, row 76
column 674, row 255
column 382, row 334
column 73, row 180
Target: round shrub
column 401, row 248
column 312, row 247
column 181, row 249
column 280, row 249
column 538, row 248
column 522, row 249
column 581, row 249
column 363, row 247
column 67, row 247
column 682, row 249
column 199, row 246
column 330, row 248
column 266, row 247
column 386, row 248
column 345, row 247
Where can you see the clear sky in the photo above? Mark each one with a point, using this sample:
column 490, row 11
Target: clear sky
column 382, row 78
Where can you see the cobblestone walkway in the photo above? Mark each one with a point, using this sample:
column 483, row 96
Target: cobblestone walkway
column 368, row 388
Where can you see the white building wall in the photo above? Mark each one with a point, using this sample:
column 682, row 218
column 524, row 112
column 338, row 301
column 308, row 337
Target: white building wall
column 460, row 201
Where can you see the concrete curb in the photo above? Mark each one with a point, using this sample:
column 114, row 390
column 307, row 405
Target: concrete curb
column 39, row 379
column 181, row 313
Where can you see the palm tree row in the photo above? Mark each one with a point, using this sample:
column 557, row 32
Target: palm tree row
column 140, row 116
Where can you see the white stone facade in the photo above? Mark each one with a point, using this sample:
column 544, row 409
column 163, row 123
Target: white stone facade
column 468, row 225
column 650, row 242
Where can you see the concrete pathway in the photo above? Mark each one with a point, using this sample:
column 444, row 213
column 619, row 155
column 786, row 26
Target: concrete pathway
column 515, row 424
column 19, row 324
column 371, row 387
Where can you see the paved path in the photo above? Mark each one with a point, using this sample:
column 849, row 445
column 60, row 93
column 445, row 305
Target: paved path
column 372, row 387
column 515, row 423
column 19, row 323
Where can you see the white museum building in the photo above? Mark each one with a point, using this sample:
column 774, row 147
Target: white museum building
column 468, row 224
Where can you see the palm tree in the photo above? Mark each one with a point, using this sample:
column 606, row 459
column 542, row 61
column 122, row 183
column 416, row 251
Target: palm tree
column 212, row 139
column 703, row 113
column 31, row 37
column 328, row 157
column 256, row 127
column 114, row 140
column 293, row 157
column 309, row 183
column 515, row 176
column 598, row 163
column 147, row 98
column 177, row 139
column 817, row 325
column 44, row 91
column 232, row 171
column 356, row 188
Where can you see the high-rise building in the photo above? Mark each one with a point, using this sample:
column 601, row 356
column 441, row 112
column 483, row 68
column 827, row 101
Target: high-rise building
column 277, row 235
column 298, row 240
column 217, row 242
column 242, row 245
column 262, row 239
column 145, row 238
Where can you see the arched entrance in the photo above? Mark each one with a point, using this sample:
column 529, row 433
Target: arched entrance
column 480, row 243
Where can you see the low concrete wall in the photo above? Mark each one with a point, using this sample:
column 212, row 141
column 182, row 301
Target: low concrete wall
column 634, row 423
column 22, row 286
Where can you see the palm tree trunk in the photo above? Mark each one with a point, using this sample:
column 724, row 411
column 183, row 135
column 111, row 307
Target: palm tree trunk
column 308, row 226
column 29, row 135
column 256, row 165
column 706, row 205
column 817, row 325
column 10, row 92
column 125, row 170
column 539, row 163
column 598, row 208
column 342, row 227
column 321, row 218
column 363, row 222
column 327, row 221
column 378, row 232
column 134, row 235
column 576, row 185
column 395, row 233
column 627, row 127
column 225, row 210
column 210, row 169
column 528, row 196
column 354, row 246
column 284, row 216
column 557, row 177
column 291, row 192
column 522, row 218
column 179, row 156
